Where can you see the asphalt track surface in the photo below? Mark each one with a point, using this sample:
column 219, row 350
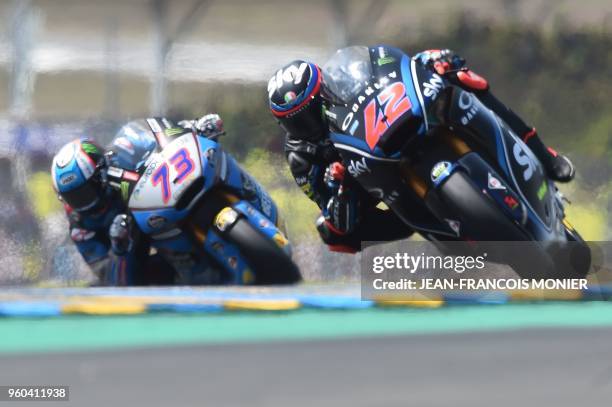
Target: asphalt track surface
column 528, row 367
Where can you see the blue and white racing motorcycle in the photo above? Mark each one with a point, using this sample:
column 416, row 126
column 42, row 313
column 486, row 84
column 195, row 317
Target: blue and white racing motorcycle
column 192, row 201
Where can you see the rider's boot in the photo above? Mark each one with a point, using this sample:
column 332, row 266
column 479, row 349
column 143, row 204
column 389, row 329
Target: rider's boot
column 336, row 240
column 558, row 167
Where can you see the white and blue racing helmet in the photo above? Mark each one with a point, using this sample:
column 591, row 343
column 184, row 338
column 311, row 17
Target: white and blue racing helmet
column 76, row 174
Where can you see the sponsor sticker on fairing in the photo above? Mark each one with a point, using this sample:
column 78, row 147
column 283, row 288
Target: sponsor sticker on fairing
column 156, row 221
column 494, row 183
column 357, row 168
column 455, row 226
column 225, row 218
column 440, row 170
column 433, row 86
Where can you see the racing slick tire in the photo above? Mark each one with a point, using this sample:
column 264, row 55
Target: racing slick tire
column 483, row 221
column 269, row 263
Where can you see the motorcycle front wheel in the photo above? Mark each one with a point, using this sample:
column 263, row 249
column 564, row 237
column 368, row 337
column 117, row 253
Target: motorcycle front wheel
column 483, row 221
column 269, row 263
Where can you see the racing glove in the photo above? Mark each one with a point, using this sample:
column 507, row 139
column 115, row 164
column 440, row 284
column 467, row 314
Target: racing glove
column 210, row 126
column 120, row 233
column 334, row 175
column 441, row 60
column 446, row 62
column 342, row 208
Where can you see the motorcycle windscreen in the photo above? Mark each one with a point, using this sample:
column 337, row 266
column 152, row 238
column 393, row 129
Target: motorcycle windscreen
column 132, row 146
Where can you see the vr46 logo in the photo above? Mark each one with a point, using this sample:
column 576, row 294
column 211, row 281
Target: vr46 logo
column 395, row 103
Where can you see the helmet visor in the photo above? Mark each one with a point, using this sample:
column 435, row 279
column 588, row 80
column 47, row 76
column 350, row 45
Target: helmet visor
column 82, row 198
column 307, row 123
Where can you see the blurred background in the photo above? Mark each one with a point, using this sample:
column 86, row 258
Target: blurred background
column 71, row 68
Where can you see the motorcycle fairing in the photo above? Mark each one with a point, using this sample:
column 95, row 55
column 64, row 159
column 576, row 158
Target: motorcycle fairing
column 246, row 187
column 168, row 174
column 227, row 255
column 157, row 221
column 173, row 240
column 214, row 162
column 502, row 192
column 520, row 167
column 495, row 186
column 374, row 109
column 381, row 178
column 359, row 146
column 216, row 167
column 159, row 216
column 428, row 86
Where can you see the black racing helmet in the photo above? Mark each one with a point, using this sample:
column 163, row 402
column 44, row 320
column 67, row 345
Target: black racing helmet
column 295, row 100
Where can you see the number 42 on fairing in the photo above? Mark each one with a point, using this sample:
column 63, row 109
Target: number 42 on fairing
column 395, row 103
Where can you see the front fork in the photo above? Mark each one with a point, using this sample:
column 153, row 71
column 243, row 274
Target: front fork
column 226, row 253
column 416, row 181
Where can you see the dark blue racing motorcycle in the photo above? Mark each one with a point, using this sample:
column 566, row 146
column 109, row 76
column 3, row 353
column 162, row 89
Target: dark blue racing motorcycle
column 447, row 166
column 192, row 200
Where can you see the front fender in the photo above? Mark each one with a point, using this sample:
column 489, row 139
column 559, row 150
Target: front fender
column 504, row 195
column 266, row 226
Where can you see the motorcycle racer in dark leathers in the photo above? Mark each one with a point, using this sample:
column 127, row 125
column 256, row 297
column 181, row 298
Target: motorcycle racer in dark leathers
column 99, row 226
column 350, row 216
